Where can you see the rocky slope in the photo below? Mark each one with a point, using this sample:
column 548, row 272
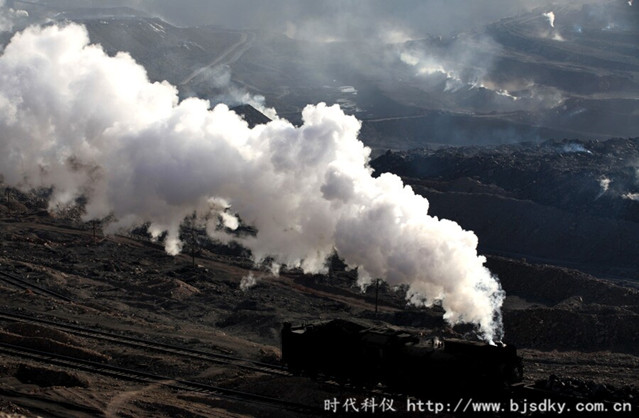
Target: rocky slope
column 517, row 79
column 565, row 322
column 563, row 202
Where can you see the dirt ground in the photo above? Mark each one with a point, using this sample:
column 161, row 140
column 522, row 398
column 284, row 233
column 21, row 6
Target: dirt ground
column 127, row 285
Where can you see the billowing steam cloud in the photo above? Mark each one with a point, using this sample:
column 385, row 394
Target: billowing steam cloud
column 89, row 124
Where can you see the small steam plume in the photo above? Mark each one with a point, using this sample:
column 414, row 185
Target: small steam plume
column 248, row 282
column 85, row 123
column 574, row 147
column 604, row 184
column 551, row 18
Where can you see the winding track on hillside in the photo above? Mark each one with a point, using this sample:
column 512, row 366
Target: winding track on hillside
column 22, row 284
column 149, row 378
column 229, row 56
column 138, row 343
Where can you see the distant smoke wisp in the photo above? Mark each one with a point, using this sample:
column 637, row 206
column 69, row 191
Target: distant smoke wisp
column 85, row 123
column 604, row 184
column 551, row 18
column 248, row 282
column 229, row 92
column 554, row 34
column 9, row 16
column 461, row 63
column 574, row 147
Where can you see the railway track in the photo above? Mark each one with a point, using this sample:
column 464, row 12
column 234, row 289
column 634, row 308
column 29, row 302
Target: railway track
column 149, row 378
column 139, row 343
column 22, row 284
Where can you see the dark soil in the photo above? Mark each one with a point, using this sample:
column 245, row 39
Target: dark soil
column 565, row 322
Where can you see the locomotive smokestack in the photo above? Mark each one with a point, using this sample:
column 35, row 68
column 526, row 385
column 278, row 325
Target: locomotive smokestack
column 89, row 124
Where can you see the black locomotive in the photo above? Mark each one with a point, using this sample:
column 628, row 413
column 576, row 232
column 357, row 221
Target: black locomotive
column 350, row 352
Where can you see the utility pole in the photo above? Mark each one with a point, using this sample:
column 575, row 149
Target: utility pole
column 193, row 239
column 376, row 295
column 7, row 198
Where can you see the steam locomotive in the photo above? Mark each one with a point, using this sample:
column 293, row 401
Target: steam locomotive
column 350, row 352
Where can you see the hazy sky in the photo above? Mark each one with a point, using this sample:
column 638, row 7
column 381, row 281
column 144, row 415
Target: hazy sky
column 336, row 17
column 432, row 16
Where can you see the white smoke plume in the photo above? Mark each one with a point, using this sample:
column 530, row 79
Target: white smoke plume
column 555, row 35
column 551, row 18
column 574, row 147
column 604, row 184
column 90, row 124
column 465, row 62
column 248, row 282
